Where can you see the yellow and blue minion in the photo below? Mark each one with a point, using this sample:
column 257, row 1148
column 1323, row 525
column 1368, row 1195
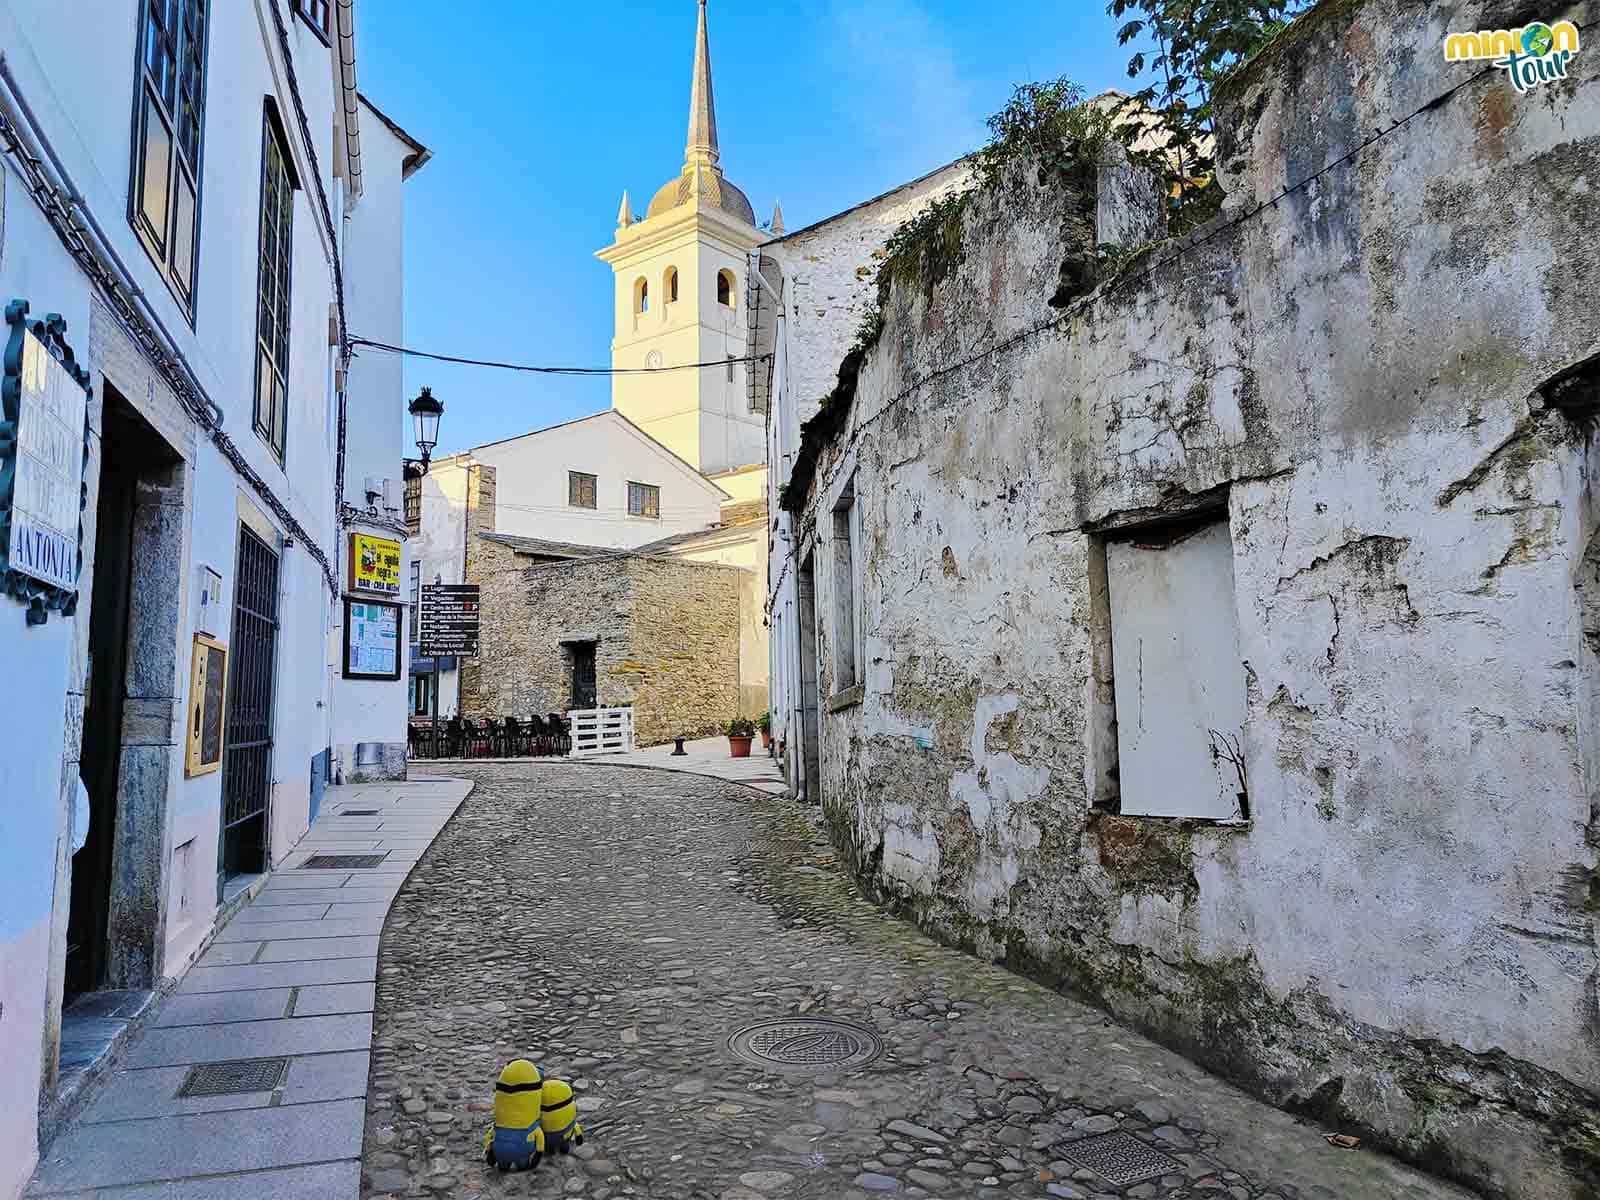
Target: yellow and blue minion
column 560, row 1120
column 516, row 1143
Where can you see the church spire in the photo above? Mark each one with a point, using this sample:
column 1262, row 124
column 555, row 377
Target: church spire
column 702, row 146
column 625, row 213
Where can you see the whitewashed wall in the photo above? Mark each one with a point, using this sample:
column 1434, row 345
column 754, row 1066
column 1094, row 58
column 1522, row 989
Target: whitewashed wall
column 77, row 74
column 532, row 475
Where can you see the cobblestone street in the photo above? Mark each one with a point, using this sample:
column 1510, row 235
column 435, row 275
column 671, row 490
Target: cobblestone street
column 618, row 925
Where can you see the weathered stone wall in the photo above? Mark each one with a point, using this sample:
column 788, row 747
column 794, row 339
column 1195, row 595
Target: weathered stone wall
column 683, row 673
column 666, row 637
column 1401, row 937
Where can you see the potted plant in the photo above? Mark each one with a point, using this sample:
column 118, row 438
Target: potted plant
column 764, row 723
column 741, row 732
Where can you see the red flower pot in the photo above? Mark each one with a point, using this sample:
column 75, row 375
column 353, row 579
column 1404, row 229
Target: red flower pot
column 739, row 747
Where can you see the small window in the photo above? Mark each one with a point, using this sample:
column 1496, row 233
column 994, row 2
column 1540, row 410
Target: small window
column 644, row 500
column 846, row 648
column 272, row 285
column 731, row 361
column 582, row 490
column 672, row 285
column 315, row 14
column 168, row 129
column 725, row 288
column 641, row 297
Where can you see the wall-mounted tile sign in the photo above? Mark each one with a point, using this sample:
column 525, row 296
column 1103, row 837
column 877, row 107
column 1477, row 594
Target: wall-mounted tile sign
column 374, row 564
column 44, row 448
column 371, row 640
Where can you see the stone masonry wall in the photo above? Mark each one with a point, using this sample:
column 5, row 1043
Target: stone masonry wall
column 1379, row 365
column 683, row 674
column 666, row 634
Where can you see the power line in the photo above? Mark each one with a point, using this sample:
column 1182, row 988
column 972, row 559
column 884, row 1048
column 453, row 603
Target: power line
column 386, row 348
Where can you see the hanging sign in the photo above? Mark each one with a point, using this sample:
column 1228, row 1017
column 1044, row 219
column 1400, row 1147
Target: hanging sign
column 374, row 564
column 44, row 399
column 371, row 640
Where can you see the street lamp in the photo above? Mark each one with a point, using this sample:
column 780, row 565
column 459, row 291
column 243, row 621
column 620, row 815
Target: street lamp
column 425, row 412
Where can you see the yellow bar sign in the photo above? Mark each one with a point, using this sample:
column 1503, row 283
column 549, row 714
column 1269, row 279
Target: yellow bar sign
column 374, row 565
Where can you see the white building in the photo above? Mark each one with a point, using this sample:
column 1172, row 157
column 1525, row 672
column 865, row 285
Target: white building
column 814, row 288
column 598, row 481
column 210, row 250
column 676, row 467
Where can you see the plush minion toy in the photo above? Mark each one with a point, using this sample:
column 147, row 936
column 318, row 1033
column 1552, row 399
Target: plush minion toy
column 560, row 1120
column 516, row 1142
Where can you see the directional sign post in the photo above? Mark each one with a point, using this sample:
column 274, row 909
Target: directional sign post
column 447, row 624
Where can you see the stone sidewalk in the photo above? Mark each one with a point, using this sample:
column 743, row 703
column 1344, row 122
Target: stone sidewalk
column 622, row 927
column 708, row 757
column 290, row 978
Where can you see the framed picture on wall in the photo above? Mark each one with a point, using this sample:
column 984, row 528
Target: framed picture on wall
column 372, row 640
column 208, row 692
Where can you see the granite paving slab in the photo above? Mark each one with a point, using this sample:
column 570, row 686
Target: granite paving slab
column 286, row 978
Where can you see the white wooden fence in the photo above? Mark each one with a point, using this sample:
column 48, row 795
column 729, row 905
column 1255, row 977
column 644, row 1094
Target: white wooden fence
column 601, row 731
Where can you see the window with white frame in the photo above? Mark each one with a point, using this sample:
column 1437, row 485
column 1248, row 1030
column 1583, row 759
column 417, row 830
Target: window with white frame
column 168, row 137
column 275, row 253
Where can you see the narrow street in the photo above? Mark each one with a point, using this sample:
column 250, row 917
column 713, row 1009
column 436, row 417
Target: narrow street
column 618, row 926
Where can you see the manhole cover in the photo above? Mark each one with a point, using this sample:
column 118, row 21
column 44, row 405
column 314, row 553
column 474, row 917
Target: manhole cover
column 1120, row 1158
column 806, row 1044
column 340, row 862
column 357, row 812
column 232, row 1078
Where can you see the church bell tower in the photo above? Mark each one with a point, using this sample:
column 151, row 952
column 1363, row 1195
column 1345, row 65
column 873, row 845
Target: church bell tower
column 681, row 273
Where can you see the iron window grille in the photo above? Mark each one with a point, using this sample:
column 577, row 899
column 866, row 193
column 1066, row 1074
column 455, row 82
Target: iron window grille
column 272, row 284
column 582, row 490
column 644, row 500
column 168, row 138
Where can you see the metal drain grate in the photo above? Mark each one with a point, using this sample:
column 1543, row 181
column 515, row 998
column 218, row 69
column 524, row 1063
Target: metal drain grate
column 815, row 1044
column 233, row 1078
column 1120, row 1158
column 340, row 862
column 357, row 812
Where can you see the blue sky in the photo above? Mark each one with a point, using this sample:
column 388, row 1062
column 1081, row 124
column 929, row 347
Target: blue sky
column 540, row 114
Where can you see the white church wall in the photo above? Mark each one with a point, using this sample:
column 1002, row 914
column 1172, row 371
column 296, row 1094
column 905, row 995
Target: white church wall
column 533, row 492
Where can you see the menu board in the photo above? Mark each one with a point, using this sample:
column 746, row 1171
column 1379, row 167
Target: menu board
column 371, row 640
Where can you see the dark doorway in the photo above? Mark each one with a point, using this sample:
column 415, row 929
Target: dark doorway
column 810, row 707
column 247, row 772
column 130, row 449
column 585, row 693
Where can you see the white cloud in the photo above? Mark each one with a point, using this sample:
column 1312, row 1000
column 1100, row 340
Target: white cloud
column 898, row 78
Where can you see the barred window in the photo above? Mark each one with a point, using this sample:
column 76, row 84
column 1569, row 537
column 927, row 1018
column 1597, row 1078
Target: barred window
column 272, row 285
column 582, row 490
column 168, row 134
column 644, row 500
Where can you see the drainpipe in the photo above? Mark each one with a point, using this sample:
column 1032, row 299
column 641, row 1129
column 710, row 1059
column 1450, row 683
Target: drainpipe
column 350, row 99
column 30, row 128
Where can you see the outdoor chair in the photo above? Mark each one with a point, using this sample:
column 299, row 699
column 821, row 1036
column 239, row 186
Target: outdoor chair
column 560, row 734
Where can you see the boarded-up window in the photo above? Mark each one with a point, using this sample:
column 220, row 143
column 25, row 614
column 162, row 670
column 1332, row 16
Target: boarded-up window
column 1179, row 681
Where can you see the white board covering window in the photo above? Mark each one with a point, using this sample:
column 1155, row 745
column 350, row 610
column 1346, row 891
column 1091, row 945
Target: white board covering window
column 1180, row 695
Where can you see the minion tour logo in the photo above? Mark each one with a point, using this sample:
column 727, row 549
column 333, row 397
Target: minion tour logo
column 1532, row 55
